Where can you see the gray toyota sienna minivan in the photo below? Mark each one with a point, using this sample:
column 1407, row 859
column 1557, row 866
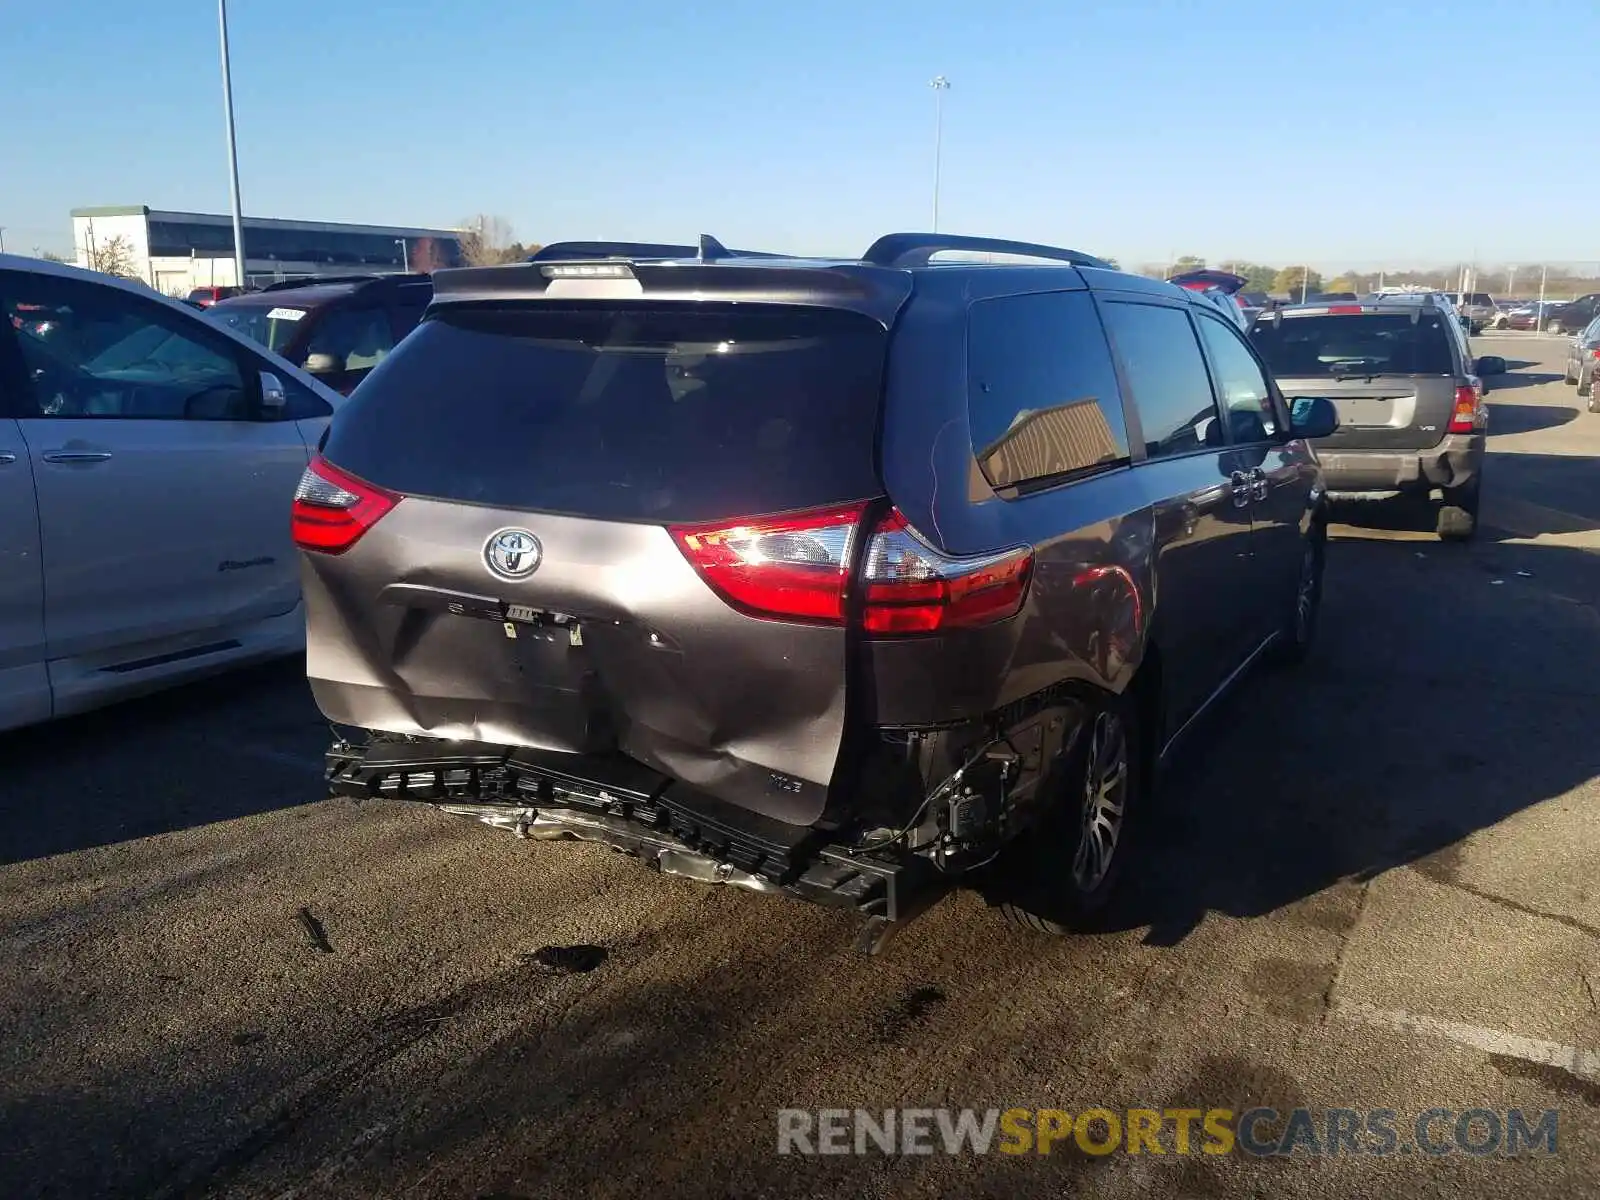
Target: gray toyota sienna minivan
column 847, row 579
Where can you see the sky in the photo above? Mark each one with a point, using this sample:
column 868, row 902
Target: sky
column 1359, row 133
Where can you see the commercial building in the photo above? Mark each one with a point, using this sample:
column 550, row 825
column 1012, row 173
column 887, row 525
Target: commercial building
column 176, row 251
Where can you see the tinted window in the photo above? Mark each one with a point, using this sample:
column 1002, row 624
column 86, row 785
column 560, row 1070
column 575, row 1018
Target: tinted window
column 1042, row 391
column 657, row 414
column 1374, row 343
column 1167, row 375
column 357, row 339
column 1246, row 394
column 92, row 351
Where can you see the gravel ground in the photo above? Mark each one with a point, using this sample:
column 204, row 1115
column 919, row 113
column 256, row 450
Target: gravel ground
column 1372, row 887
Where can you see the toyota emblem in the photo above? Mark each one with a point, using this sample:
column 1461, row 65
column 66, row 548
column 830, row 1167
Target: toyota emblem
column 512, row 553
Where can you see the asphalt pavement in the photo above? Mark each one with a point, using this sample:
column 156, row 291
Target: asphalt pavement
column 1373, row 886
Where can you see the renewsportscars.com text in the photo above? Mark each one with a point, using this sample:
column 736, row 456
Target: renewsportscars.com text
column 1317, row 1133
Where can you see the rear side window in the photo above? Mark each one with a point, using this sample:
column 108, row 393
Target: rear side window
column 1375, row 343
column 1042, row 398
column 625, row 412
column 1167, row 375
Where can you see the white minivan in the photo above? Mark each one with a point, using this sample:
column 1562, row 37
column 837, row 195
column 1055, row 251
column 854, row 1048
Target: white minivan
column 148, row 460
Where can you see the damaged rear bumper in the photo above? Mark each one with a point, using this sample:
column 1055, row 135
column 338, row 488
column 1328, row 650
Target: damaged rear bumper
column 627, row 806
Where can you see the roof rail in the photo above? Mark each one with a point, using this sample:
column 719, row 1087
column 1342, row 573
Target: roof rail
column 315, row 281
column 708, row 249
column 917, row 249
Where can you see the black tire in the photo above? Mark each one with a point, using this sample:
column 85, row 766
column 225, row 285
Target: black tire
column 1567, row 375
column 1458, row 515
column 1047, row 880
column 1305, row 608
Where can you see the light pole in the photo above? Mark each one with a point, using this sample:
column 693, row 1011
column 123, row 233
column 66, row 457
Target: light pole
column 405, row 255
column 940, row 86
column 233, row 153
column 2, row 239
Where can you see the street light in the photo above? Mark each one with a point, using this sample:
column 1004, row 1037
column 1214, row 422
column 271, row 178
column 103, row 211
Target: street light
column 940, row 86
column 233, row 153
column 405, row 255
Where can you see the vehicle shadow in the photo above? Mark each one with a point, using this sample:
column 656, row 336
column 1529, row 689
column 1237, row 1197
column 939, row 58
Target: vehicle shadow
column 244, row 742
column 1519, row 379
column 1397, row 741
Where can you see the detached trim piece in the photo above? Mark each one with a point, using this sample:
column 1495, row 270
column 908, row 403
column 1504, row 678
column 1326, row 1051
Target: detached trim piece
column 637, row 811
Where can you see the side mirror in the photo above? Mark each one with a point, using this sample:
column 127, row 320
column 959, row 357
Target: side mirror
column 1313, row 417
column 1491, row 364
column 321, row 364
column 274, row 396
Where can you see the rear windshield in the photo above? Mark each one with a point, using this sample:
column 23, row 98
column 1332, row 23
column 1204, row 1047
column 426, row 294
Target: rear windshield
column 629, row 413
column 1364, row 343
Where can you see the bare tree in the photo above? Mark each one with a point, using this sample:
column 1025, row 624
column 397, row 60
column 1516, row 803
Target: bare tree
column 485, row 240
column 114, row 256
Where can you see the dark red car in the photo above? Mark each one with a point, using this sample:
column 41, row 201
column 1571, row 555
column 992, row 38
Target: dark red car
column 205, row 297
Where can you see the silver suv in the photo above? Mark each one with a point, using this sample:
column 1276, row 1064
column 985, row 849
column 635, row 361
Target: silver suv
column 1412, row 416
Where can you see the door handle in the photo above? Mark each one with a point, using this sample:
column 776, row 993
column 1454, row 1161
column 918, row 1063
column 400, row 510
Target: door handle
column 76, row 456
column 1241, row 489
column 1258, row 485
column 7, row 459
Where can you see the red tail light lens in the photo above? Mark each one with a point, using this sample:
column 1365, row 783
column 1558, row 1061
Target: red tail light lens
column 332, row 509
column 794, row 567
column 1464, row 417
column 913, row 588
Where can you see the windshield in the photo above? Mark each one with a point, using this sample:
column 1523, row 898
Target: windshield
column 1358, row 343
column 273, row 327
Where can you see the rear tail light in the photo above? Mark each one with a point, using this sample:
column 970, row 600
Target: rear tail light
column 332, row 509
column 1464, row 417
column 913, row 588
column 794, row 567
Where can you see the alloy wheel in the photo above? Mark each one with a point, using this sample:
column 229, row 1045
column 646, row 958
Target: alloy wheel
column 1104, row 801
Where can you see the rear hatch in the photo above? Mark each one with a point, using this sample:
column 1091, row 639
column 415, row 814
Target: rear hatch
column 1389, row 371
column 568, row 498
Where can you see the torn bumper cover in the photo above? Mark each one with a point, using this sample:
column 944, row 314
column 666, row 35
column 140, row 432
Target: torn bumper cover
column 625, row 805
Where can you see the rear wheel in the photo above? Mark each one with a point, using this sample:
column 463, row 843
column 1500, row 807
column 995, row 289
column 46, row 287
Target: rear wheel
column 1060, row 877
column 1458, row 516
column 1553, row 327
column 1566, row 373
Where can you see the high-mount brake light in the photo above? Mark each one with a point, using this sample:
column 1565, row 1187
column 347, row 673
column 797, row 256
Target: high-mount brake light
column 792, row 567
column 602, row 270
column 332, row 509
column 913, row 588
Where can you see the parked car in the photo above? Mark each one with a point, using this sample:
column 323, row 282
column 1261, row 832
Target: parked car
column 337, row 329
column 1478, row 307
column 146, row 460
column 844, row 580
column 1412, row 416
column 1583, row 360
column 1573, row 314
column 205, row 297
column 1530, row 316
column 1222, row 288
